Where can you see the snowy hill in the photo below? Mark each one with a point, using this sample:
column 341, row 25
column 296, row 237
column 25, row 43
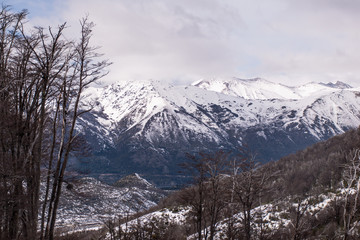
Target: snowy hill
column 86, row 203
column 150, row 125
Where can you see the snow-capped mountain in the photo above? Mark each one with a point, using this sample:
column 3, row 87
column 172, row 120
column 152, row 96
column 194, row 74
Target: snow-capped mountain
column 150, row 125
column 258, row 88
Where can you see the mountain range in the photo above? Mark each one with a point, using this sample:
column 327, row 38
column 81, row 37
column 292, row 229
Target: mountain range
column 149, row 126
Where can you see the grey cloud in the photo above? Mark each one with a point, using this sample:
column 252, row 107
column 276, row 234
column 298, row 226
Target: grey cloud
column 283, row 40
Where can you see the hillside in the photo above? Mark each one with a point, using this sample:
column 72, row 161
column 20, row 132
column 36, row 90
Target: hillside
column 304, row 199
column 87, row 203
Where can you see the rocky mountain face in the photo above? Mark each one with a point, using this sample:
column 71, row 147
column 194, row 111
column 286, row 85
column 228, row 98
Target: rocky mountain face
column 147, row 127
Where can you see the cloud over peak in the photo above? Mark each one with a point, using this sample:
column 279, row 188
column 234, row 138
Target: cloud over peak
column 166, row 39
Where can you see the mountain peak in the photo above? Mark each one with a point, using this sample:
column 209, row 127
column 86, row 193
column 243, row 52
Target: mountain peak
column 254, row 88
column 227, row 81
column 338, row 84
column 259, row 88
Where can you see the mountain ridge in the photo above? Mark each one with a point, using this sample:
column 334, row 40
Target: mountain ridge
column 150, row 125
column 258, row 88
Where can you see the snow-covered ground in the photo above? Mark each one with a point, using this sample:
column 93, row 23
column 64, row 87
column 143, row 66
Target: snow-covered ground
column 267, row 217
column 87, row 203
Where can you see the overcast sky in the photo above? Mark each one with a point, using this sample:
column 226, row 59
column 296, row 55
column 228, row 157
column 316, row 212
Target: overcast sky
column 287, row 41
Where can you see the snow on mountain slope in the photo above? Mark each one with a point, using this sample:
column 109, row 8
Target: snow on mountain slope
column 258, row 88
column 150, row 125
column 191, row 108
column 145, row 106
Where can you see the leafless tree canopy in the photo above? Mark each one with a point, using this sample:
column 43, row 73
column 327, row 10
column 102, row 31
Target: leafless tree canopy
column 42, row 79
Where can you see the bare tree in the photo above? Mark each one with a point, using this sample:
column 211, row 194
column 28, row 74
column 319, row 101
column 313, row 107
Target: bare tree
column 351, row 183
column 206, row 196
column 250, row 184
column 42, row 78
column 195, row 195
column 82, row 71
column 50, row 61
column 20, row 130
column 299, row 223
column 216, row 166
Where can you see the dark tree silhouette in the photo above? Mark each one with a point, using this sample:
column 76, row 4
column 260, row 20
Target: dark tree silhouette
column 206, row 196
column 42, row 79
